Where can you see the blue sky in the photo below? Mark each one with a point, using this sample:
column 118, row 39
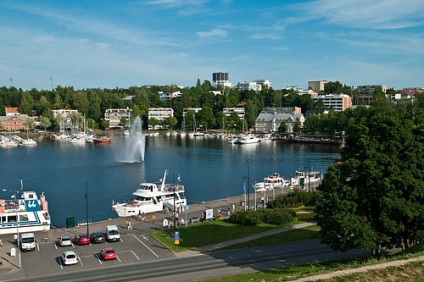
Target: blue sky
column 109, row 44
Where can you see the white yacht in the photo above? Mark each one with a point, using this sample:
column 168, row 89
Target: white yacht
column 272, row 181
column 247, row 139
column 153, row 198
column 27, row 214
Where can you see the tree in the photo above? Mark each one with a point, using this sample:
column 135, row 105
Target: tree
column 374, row 198
column 27, row 104
column 45, row 122
column 153, row 123
column 283, row 127
column 170, row 122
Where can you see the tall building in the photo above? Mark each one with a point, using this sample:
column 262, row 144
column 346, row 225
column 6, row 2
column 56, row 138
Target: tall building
column 221, row 79
column 317, row 86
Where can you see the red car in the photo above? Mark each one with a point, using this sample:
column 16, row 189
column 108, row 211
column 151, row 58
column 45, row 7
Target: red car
column 82, row 239
column 107, row 254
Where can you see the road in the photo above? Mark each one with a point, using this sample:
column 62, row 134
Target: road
column 199, row 266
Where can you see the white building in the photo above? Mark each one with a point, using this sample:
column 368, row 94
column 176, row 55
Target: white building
column 114, row 116
column 159, row 114
column 168, row 96
column 65, row 117
column 250, row 86
column 337, row 102
column 270, row 119
column 229, row 111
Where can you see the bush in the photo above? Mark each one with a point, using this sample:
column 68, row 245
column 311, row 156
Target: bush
column 270, row 216
column 295, row 199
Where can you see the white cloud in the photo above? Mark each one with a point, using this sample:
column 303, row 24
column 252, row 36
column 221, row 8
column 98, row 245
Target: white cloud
column 214, row 33
column 375, row 14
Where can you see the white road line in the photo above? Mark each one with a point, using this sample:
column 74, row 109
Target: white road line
column 38, row 247
column 79, row 259
column 98, row 257
column 135, row 255
column 55, row 245
column 145, row 246
column 119, row 258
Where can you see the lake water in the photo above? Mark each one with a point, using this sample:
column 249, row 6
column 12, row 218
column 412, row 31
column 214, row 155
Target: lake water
column 209, row 168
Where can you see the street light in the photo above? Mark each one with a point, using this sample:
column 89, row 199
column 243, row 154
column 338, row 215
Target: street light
column 86, row 206
column 248, row 186
column 17, row 219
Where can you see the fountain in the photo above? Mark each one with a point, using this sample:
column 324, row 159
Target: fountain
column 135, row 143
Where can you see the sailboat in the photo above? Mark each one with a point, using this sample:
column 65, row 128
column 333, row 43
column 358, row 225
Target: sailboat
column 183, row 133
column 28, row 141
column 195, row 133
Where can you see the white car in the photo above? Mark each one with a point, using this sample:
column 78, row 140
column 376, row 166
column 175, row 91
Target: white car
column 65, row 241
column 69, row 257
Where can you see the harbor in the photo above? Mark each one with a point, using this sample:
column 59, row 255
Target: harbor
column 48, row 241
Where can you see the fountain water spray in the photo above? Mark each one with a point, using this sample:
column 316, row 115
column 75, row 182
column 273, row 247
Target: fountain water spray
column 135, row 144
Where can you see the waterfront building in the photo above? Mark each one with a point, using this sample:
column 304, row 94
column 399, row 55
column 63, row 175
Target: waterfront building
column 14, row 122
column 65, row 116
column 159, row 114
column 270, row 119
column 229, row 111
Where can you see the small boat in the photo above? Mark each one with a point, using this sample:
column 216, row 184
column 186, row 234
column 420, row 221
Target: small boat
column 153, row 198
column 247, row 139
column 272, row 181
column 305, row 177
column 102, row 140
column 28, row 142
column 27, row 214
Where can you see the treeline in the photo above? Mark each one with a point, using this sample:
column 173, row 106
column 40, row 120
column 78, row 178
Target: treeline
column 92, row 104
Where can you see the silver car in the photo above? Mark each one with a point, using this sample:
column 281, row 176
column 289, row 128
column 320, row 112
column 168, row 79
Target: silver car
column 69, row 257
column 65, row 241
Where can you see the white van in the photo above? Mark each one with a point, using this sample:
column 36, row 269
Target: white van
column 28, row 242
column 112, row 233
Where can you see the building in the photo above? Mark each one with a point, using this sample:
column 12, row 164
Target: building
column 229, row 111
column 264, row 83
column 370, row 89
column 409, row 93
column 249, row 86
column 65, row 118
column 12, row 111
column 270, row 119
column 317, row 86
column 168, row 96
column 196, row 110
column 221, row 79
column 115, row 116
column 336, row 102
column 14, row 122
column 159, row 114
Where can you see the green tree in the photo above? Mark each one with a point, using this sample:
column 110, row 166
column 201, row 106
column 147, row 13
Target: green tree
column 374, row 198
column 283, row 127
column 206, row 117
column 170, row 122
column 44, row 122
column 27, row 104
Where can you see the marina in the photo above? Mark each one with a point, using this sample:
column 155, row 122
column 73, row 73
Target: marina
column 210, row 169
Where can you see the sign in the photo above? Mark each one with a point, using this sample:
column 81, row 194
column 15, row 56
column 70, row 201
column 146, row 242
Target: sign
column 177, row 242
column 32, row 205
column 186, row 208
column 177, row 235
column 209, row 214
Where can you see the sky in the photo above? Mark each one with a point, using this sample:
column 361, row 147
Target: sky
column 119, row 44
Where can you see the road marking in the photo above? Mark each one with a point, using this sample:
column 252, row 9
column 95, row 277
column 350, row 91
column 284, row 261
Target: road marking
column 119, row 258
column 38, row 247
column 98, row 257
column 135, row 255
column 55, row 245
column 80, row 260
column 145, row 238
column 145, row 246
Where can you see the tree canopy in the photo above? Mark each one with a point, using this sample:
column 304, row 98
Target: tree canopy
column 375, row 197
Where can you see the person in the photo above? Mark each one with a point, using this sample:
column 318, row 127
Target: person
column 126, row 223
column 153, row 219
column 143, row 216
column 219, row 210
column 129, row 224
column 139, row 215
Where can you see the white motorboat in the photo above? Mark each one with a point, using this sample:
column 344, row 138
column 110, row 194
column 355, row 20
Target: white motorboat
column 27, row 214
column 28, row 142
column 272, row 181
column 247, row 139
column 303, row 178
column 152, row 198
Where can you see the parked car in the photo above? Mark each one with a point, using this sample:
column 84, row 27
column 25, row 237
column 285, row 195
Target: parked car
column 69, row 257
column 82, row 239
column 65, row 241
column 97, row 237
column 108, row 254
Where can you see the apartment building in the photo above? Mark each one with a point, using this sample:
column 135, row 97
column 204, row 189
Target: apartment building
column 159, row 114
column 114, row 116
column 337, row 102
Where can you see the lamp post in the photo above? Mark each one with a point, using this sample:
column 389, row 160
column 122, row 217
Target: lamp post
column 173, row 183
column 86, row 206
column 248, row 186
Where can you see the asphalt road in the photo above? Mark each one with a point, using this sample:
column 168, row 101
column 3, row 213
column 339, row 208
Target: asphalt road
column 171, row 268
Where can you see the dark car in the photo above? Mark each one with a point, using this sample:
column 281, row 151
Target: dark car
column 97, row 237
column 82, row 239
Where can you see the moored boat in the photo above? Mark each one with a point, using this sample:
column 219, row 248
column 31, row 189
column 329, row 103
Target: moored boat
column 247, row 139
column 303, row 178
column 153, row 198
column 102, row 140
column 272, row 181
column 26, row 214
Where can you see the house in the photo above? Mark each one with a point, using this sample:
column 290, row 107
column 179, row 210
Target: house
column 14, row 122
column 159, row 114
column 270, row 119
column 12, row 111
column 114, row 116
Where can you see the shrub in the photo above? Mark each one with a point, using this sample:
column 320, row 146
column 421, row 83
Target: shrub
column 271, row 216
